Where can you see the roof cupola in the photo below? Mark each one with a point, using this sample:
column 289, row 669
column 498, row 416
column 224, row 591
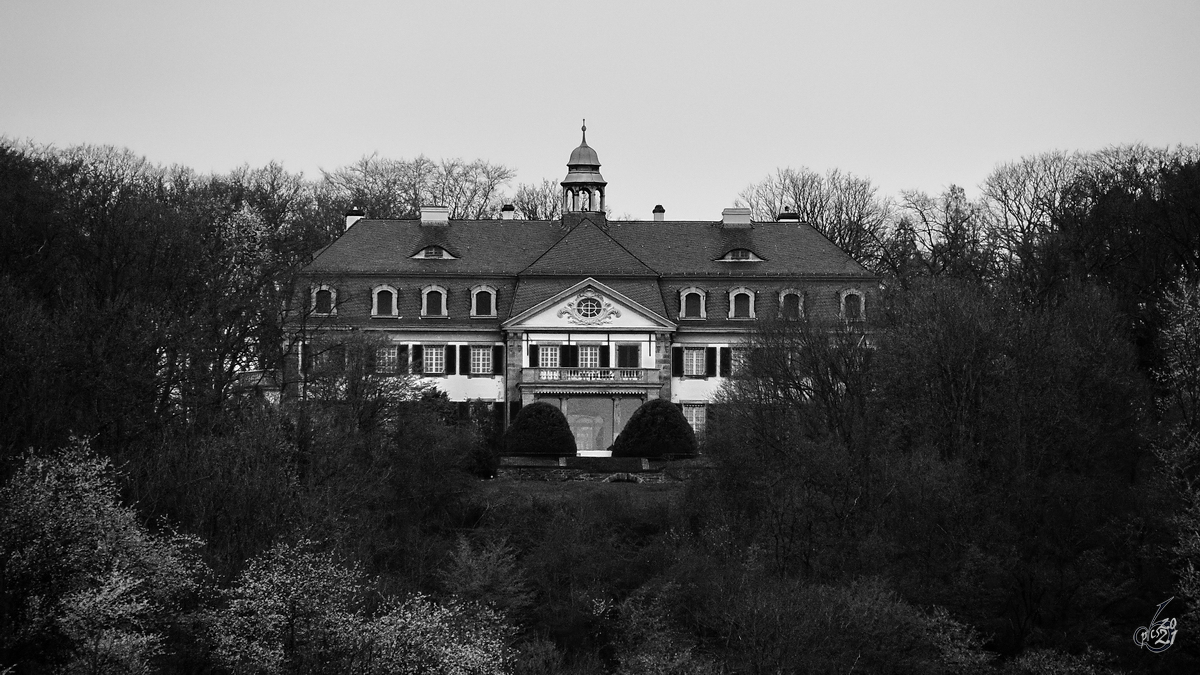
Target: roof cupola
column 583, row 188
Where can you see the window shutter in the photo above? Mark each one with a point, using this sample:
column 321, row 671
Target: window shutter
column 710, row 362
column 726, row 362
column 574, row 351
column 677, row 361
column 564, row 356
column 464, row 360
column 605, row 358
column 402, row 365
column 369, row 359
column 451, row 367
column 533, row 355
column 497, row 360
column 305, row 358
column 418, row 359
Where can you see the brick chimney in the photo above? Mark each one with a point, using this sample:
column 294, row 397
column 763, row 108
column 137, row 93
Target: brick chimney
column 736, row 217
column 507, row 212
column 353, row 216
column 435, row 215
column 660, row 213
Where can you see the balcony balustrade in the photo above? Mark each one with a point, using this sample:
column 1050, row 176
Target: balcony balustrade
column 597, row 375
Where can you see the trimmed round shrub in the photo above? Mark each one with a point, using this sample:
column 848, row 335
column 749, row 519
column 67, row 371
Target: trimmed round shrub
column 657, row 429
column 540, row 429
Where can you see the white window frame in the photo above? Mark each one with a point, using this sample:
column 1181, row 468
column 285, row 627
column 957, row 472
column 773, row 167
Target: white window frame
column 695, row 362
column 791, row 291
column 733, row 294
column 387, row 311
column 332, row 300
column 483, row 288
column 683, row 303
column 481, row 360
column 425, row 301
column 433, row 355
column 589, row 356
column 697, row 416
column 547, row 353
column 387, row 354
column 862, row 304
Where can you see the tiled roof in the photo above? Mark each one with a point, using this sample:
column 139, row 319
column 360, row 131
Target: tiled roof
column 627, row 248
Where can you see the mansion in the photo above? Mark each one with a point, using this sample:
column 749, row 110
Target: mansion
column 590, row 315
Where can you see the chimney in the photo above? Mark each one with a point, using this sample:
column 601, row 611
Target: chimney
column 353, row 216
column 788, row 214
column 507, row 212
column 660, row 214
column 435, row 215
column 736, row 217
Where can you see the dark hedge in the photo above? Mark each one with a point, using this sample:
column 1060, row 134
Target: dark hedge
column 540, row 429
column 657, row 429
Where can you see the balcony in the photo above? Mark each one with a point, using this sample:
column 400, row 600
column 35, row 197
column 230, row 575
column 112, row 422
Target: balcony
column 601, row 376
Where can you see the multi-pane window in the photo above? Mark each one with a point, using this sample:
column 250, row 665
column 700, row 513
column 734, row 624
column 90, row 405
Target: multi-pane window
column 435, row 302
column 589, row 356
column 693, row 362
column 433, row 252
column 739, row 254
column 386, row 360
column 385, row 302
column 548, row 356
column 691, row 306
column 481, row 360
column 791, row 307
column 434, row 360
column 483, row 303
column 694, row 413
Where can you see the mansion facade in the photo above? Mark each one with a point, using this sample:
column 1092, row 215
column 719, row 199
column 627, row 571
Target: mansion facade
column 591, row 315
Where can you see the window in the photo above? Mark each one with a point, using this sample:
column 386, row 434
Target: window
column 741, row 303
column 548, row 356
column 791, row 304
column 433, row 252
column 324, row 300
column 852, row 305
column 693, row 362
column 694, row 413
column 433, row 301
column 434, row 360
column 691, row 303
column 383, row 301
column 481, row 360
column 738, row 358
column 588, row 307
column 739, row 254
column 483, row 301
column 589, row 355
column 629, row 356
column 387, row 360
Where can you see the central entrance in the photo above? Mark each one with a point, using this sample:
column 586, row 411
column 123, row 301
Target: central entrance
column 595, row 419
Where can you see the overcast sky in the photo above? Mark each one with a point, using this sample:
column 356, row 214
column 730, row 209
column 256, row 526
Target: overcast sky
column 687, row 103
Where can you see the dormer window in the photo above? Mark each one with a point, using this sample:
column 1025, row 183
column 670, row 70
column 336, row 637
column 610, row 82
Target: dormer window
column 740, row 255
column 691, row 303
column 852, row 306
column 383, row 301
column 791, row 304
column 741, row 303
column 433, row 301
column 483, row 301
column 433, row 252
column 324, row 300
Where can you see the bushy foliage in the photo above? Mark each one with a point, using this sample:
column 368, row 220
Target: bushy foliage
column 657, row 429
column 540, row 429
column 86, row 586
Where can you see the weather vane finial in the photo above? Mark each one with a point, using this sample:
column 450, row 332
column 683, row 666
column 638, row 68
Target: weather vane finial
column 585, row 131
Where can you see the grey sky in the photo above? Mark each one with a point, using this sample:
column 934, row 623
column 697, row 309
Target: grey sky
column 687, row 103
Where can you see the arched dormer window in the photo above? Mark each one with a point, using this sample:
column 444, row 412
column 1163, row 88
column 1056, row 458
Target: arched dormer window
column 691, row 304
column 740, row 255
column 324, row 300
column 851, row 306
column 383, row 301
column 791, row 304
column 433, row 252
column 741, row 303
column 433, row 301
column 483, row 301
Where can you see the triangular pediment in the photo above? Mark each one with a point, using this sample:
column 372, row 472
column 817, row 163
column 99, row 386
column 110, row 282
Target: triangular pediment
column 587, row 305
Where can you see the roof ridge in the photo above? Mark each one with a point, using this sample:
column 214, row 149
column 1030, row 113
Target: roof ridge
column 529, row 269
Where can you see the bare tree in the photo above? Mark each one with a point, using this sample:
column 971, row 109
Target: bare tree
column 538, row 201
column 388, row 188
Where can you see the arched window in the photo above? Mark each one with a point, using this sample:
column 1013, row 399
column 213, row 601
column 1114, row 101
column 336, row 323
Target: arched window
column 324, row 300
column 852, row 307
column 483, row 301
column 433, row 301
column 383, row 301
column 691, row 304
column 741, row 303
column 791, row 304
